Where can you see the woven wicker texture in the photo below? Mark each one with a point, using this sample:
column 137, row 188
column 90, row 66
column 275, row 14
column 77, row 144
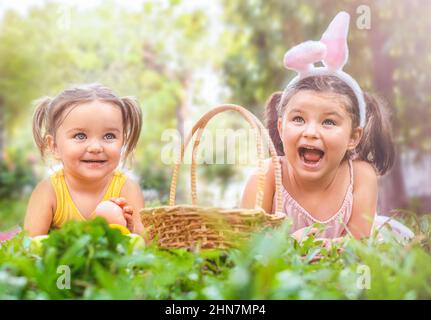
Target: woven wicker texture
column 191, row 226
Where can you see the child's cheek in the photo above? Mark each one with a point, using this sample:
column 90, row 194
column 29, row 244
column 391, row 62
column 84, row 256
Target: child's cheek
column 289, row 132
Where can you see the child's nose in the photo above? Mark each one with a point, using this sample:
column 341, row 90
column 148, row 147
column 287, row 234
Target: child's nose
column 310, row 130
column 94, row 147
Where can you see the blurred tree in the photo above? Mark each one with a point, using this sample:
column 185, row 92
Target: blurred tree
column 156, row 53
column 401, row 64
column 29, row 67
column 258, row 33
column 152, row 53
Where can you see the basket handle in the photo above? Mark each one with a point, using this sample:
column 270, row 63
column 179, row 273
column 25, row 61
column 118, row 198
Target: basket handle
column 257, row 125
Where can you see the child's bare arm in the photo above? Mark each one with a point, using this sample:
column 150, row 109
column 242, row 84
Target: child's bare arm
column 250, row 191
column 39, row 213
column 364, row 200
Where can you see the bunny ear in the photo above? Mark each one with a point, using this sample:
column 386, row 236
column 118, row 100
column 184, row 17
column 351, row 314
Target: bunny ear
column 302, row 56
column 335, row 38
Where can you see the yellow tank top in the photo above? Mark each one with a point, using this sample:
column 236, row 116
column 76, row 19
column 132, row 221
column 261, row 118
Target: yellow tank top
column 66, row 209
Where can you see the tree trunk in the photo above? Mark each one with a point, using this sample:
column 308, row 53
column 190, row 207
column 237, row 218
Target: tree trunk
column 392, row 192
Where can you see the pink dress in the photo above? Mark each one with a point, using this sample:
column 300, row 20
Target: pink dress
column 336, row 225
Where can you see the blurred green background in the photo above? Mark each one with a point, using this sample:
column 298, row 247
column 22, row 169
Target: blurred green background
column 180, row 58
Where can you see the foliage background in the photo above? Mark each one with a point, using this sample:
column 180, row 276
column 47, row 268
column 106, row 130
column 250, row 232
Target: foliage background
column 103, row 264
column 180, row 58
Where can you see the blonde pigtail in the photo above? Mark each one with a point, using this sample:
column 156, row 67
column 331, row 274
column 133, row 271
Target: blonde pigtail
column 40, row 122
column 132, row 116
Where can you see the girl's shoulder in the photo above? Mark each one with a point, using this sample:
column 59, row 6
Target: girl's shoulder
column 46, row 186
column 251, row 187
column 130, row 183
column 363, row 167
column 269, row 170
column 130, row 187
column 269, row 165
column 44, row 191
column 133, row 193
column 364, row 173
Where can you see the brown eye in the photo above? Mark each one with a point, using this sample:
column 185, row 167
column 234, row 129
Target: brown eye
column 298, row 119
column 329, row 122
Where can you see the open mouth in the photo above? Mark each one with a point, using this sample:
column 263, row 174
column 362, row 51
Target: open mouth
column 310, row 155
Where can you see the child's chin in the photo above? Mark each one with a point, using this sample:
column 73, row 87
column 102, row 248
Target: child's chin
column 95, row 173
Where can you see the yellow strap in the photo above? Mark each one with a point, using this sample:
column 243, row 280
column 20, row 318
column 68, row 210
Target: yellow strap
column 66, row 209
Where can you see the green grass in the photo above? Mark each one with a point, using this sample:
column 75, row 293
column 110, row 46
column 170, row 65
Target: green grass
column 12, row 213
column 105, row 265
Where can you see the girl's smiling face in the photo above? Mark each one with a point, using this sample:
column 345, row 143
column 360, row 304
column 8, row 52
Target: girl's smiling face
column 316, row 131
column 89, row 140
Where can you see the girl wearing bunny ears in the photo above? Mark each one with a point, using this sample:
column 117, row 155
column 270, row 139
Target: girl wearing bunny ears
column 333, row 141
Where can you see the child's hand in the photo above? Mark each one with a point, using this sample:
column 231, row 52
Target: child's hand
column 299, row 234
column 325, row 242
column 134, row 223
column 329, row 244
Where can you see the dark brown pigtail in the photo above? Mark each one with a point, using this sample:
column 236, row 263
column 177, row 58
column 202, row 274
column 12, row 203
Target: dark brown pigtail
column 271, row 121
column 376, row 146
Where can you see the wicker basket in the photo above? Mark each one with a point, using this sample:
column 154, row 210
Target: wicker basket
column 191, row 226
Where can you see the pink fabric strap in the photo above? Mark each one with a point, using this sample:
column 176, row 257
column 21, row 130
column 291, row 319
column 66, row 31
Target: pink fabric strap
column 335, row 225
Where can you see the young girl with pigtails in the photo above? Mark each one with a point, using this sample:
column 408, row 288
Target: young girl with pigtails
column 333, row 142
column 90, row 131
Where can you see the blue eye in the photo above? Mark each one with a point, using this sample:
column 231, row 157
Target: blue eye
column 109, row 136
column 329, row 122
column 80, row 136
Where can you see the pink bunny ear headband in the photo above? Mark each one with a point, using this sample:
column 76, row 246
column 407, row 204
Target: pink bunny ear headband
column 332, row 50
